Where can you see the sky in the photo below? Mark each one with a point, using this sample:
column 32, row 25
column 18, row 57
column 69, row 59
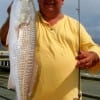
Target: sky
column 89, row 14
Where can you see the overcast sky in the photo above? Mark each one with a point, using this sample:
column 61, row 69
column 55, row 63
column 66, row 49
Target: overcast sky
column 89, row 13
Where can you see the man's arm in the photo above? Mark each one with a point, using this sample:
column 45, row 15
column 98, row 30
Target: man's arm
column 89, row 56
column 4, row 29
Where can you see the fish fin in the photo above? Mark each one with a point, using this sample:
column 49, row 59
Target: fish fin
column 11, row 84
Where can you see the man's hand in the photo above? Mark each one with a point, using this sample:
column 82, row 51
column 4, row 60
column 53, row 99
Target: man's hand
column 86, row 59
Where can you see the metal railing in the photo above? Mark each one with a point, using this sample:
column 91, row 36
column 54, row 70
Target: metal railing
column 4, row 63
column 89, row 77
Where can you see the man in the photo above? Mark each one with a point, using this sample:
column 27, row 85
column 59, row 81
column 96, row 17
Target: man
column 57, row 53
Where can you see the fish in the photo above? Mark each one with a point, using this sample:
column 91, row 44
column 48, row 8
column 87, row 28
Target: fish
column 21, row 40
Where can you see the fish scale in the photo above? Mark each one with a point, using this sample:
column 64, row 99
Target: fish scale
column 21, row 41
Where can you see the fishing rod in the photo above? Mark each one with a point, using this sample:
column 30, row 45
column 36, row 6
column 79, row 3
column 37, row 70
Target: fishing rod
column 79, row 76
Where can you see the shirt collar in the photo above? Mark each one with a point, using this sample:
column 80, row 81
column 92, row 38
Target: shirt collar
column 42, row 19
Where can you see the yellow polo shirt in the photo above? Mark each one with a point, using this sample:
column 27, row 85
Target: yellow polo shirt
column 56, row 49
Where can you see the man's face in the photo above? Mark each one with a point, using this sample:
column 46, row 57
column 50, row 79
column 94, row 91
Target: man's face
column 50, row 6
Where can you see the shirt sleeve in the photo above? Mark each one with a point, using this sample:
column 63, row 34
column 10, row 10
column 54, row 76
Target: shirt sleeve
column 87, row 43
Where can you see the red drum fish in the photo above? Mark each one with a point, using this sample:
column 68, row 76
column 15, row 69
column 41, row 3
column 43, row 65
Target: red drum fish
column 21, row 42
